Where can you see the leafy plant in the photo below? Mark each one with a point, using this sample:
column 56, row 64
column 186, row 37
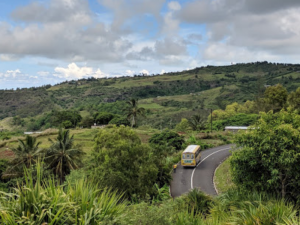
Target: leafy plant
column 268, row 159
column 167, row 138
column 63, row 156
column 26, row 155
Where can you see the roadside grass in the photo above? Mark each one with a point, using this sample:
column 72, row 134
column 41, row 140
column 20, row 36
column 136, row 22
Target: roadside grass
column 82, row 137
column 222, row 178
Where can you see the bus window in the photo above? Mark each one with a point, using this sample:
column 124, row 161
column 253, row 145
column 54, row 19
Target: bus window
column 192, row 156
column 187, row 156
column 183, row 156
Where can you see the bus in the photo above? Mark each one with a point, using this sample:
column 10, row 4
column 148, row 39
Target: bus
column 191, row 156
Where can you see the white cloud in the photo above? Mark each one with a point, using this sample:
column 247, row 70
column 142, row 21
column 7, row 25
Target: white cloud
column 43, row 73
column 144, row 72
column 129, row 72
column 75, row 72
column 12, row 73
column 227, row 53
column 246, row 30
column 171, row 23
column 175, row 6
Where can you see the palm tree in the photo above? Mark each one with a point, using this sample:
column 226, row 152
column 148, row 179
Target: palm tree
column 63, row 156
column 133, row 111
column 26, row 155
column 197, row 122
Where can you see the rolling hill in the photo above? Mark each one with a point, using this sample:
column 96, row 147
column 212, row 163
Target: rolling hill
column 169, row 95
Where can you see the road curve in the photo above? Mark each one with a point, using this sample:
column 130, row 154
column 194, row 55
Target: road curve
column 186, row 179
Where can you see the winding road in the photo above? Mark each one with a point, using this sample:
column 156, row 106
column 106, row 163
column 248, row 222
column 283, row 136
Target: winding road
column 186, row 179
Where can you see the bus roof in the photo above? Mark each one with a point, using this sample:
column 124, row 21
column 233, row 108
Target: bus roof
column 191, row 148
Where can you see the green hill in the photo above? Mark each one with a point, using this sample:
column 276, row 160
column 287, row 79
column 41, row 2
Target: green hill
column 167, row 94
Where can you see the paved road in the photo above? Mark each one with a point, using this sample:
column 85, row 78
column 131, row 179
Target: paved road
column 201, row 177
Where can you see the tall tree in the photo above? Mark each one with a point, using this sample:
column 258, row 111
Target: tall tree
column 120, row 161
column 270, row 155
column 294, row 99
column 26, row 155
column 63, row 156
column 133, row 111
column 276, row 97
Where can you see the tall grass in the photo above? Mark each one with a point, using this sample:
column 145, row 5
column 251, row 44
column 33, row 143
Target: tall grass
column 44, row 202
column 232, row 208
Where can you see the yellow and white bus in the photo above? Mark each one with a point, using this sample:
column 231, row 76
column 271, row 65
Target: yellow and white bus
column 191, row 155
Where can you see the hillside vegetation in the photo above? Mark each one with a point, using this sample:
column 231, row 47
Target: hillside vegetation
column 212, row 87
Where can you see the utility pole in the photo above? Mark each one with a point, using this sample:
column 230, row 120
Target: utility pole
column 210, row 120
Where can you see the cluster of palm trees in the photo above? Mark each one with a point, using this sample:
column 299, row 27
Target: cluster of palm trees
column 61, row 157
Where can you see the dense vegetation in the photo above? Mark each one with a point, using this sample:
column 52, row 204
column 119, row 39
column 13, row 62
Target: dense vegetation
column 120, row 178
column 173, row 95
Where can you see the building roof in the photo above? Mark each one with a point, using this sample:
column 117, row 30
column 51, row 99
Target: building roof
column 191, row 148
column 236, row 128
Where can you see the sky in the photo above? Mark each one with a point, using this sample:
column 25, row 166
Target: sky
column 51, row 41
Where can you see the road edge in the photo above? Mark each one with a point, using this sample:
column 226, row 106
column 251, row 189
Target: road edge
column 215, row 187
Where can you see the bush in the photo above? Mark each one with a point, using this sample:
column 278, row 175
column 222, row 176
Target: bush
column 87, row 122
column 120, row 121
column 104, row 118
column 240, row 119
column 67, row 124
column 42, row 202
column 120, row 161
column 197, row 202
column 269, row 156
column 169, row 138
column 183, row 126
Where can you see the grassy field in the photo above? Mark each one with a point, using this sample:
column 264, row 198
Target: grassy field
column 85, row 138
column 222, row 177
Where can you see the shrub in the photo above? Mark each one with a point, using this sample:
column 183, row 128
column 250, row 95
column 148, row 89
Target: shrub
column 120, row 161
column 268, row 159
column 104, row 118
column 183, row 126
column 120, row 121
column 67, row 124
column 42, row 202
column 239, row 119
column 167, row 137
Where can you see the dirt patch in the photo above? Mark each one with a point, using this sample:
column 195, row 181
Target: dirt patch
column 7, row 154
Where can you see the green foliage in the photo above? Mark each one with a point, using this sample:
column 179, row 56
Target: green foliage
column 183, row 126
column 42, row 202
column 294, row 99
column 233, row 109
column 167, row 138
column 269, row 158
column 26, row 155
column 114, row 107
column 67, row 124
column 120, row 121
column 276, row 96
column 6, row 135
column 120, row 161
column 63, row 156
column 239, row 119
column 3, row 167
column 87, row 122
column 104, row 117
column 197, row 202
column 193, row 140
column 133, row 111
column 18, row 121
column 197, row 122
